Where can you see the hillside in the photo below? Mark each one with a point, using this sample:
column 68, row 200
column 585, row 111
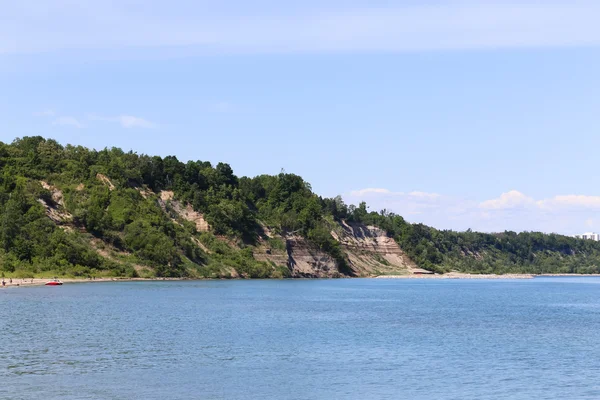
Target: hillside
column 72, row 211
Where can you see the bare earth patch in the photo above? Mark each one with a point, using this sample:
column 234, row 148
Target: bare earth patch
column 104, row 179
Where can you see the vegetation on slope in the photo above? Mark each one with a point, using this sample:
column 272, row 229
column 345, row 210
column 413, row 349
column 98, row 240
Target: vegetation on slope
column 484, row 253
column 114, row 197
column 103, row 193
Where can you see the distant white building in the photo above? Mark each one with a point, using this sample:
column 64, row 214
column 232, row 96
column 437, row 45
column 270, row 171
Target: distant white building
column 589, row 236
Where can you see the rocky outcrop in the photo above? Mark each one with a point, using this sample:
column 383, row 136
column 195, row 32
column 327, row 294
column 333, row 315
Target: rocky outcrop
column 189, row 214
column 185, row 212
column 367, row 249
column 104, row 179
column 305, row 260
column 55, row 209
column 302, row 258
column 370, row 251
column 57, row 195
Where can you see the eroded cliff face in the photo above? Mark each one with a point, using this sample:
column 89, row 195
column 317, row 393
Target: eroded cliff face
column 184, row 211
column 302, row 258
column 305, row 260
column 369, row 250
column 55, row 209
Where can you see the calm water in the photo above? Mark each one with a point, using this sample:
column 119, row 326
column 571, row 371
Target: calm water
column 327, row 339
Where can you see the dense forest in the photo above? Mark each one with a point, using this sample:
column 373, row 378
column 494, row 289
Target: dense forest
column 62, row 207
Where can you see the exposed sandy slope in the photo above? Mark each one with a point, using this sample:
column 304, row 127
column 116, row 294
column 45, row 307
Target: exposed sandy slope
column 55, row 209
column 104, row 179
column 368, row 249
column 57, row 195
column 184, row 211
column 371, row 251
column 306, row 260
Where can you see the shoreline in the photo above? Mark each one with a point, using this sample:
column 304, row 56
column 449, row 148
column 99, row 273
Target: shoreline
column 17, row 282
column 456, row 275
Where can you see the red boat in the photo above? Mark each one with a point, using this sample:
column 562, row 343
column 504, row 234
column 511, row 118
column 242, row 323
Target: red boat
column 54, row 282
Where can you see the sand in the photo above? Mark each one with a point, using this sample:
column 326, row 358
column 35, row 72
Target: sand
column 457, row 275
column 17, row 282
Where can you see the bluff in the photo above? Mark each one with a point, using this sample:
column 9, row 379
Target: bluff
column 69, row 210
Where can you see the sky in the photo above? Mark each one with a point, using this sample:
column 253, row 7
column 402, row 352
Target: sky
column 457, row 114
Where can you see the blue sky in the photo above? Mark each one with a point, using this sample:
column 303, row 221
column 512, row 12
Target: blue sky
column 458, row 114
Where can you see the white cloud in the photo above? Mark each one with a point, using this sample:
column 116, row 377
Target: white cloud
column 31, row 26
column 126, row 121
column 516, row 199
column 570, row 201
column 68, row 121
column 413, row 204
column 507, row 200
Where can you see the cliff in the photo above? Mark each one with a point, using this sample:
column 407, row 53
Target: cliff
column 368, row 250
column 69, row 210
column 371, row 251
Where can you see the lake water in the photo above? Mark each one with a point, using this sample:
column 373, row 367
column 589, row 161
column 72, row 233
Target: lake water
column 306, row 339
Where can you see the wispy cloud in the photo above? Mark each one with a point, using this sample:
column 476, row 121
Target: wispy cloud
column 47, row 25
column 570, row 201
column 44, row 113
column 56, row 119
column 126, row 121
column 129, row 121
column 388, row 193
column 424, row 195
column 68, row 121
column 516, row 199
column 369, row 191
column 415, row 203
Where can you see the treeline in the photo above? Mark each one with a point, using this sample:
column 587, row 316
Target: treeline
column 121, row 213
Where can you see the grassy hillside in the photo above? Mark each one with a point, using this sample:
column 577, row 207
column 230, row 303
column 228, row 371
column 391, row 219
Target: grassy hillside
column 75, row 211
column 69, row 210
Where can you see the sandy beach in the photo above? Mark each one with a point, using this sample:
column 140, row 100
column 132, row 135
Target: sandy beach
column 456, row 275
column 18, row 282
column 453, row 275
